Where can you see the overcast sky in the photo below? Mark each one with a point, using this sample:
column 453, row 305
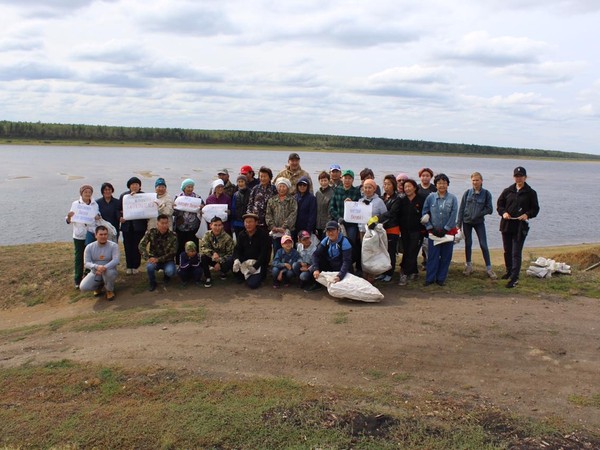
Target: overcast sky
column 517, row 73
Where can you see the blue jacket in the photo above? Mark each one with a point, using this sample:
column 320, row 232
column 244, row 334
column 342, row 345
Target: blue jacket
column 475, row 206
column 334, row 256
column 442, row 211
column 306, row 218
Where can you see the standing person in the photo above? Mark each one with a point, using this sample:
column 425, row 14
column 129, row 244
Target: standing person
column 159, row 248
column 400, row 179
column 133, row 230
column 189, row 264
column 228, row 187
column 219, row 197
column 187, row 223
column 109, row 207
column 306, row 217
column 442, row 208
column 516, row 205
column 367, row 174
column 251, row 181
column 293, row 172
column 216, row 251
column 260, row 195
column 253, row 244
column 425, row 175
column 412, row 231
column 390, row 219
column 323, row 196
column 476, row 203
column 239, row 204
column 282, row 211
column 335, row 172
column 163, row 201
column 82, row 231
column 101, row 259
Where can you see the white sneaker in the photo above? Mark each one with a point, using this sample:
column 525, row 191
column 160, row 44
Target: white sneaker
column 134, row 271
column 129, row 271
column 492, row 275
column 468, row 270
column 403, row 280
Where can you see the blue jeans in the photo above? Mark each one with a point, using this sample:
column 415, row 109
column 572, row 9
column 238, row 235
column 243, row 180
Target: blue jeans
column 481, row 237
column 438, row 261
column 169, row 267
column 288, row 275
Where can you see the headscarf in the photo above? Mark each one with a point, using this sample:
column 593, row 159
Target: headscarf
column 187, row 182
column 160, row 182
column 190, row 246
column 84, row 187
column 283, row 180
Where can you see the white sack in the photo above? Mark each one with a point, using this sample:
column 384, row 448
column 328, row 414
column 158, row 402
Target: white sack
column 375, row 256
column 351, row 287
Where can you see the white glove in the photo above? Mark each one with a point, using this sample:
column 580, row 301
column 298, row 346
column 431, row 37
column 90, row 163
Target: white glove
column 425, row 219
column 251, row 270
column 236, row 265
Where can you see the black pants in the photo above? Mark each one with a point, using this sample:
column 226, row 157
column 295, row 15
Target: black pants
column 392, row 249
column 207, row 262
column 131, row 241
column 182, row 238
column 513, row 253
column 411, row 243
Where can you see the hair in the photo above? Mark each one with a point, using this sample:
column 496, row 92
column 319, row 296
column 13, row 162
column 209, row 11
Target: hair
column 161, row 217
column 392, row 180
column 476, row 174
column 266, row 170
column 411, row 181
column 101, row 228
column 441, row 176
column 324, row 174
column 107, row 185
column 216, row 219
column 425, row 169
column 365, row 173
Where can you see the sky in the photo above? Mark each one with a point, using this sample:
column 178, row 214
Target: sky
column 515, row 73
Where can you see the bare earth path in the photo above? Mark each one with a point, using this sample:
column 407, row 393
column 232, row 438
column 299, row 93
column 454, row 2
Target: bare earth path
column 526, row 354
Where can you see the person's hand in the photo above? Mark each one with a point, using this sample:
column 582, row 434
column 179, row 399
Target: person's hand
column 425, row 219
column 316, row 274
column 217, row 267
column 251, row 270
column 523, row 217
column 341, row 221
column 336, row 279
column 440, row 232
column 121, row 220
column 288, row 266
column 100, row 270
column 152, row 260
column 215, row 256
column 506, row 216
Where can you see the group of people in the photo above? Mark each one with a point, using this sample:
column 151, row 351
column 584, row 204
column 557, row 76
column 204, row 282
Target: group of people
column 287, row 226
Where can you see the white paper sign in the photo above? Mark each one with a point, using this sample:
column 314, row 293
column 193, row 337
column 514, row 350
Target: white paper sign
column 210, row 211
column 84, row 213
column 357, row 212
column 188, row 204
column 139, row 206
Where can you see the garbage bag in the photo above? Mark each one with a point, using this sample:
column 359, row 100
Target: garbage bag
column 351, row 287
column 375, row 256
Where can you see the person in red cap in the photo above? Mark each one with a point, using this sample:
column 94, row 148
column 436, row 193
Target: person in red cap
column 248, row 172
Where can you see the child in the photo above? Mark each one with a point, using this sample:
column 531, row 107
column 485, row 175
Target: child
column 189, row 264
column 284, row 260
column 306, row 248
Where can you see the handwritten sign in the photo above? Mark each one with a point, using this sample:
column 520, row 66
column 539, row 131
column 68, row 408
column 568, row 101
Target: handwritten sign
column 188, row 204
column 357, row 212
column 139, row 206
column 84, row 213
column 210, row 211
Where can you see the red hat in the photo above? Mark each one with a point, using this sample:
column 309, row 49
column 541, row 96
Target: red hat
column 245, row 169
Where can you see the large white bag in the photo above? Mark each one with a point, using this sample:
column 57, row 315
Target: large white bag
column 375, row 256
column 351, row 287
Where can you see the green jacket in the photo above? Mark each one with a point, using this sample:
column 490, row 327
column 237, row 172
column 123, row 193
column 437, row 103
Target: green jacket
column 222, row 244
column 281, row 214
column 163, row 247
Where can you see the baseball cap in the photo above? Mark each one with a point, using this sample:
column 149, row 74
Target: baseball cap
column 294, row 156
column 348, row 172
column 245, row 169
column 223, row 172
column 285, row 238
column 335, row 167
column 332, row 225
column 303, row 235
column 520, row 172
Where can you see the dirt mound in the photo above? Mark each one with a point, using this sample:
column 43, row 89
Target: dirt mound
column 580, row 259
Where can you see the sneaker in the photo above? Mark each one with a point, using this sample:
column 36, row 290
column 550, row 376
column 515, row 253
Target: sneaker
column 380, row 277
column 76, row 285
column 506, row 276
column 403, row 280
column 468, row 270
column 313, row 287
column 129, row 271
column 441, row 283
column 152, row 287
column 512, row 283
column 208, row 283
column 491, row 274
column 98, row 292
column 386, row 279
column 110, row 296
column 134, row 271
column 223, row 276
column 413, row 276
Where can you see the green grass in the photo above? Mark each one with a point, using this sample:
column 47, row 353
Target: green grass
column 340, row 318
column 586, row 401
column 65, row 404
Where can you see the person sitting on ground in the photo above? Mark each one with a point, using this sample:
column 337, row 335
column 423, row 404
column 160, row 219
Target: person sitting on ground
column 101, row 259
column 216, row 251
column 253, row 244
column 333, row 254
column 159, row 248
column 189, row 264
column 283, row 263
column 282, row 210
column 306, row 247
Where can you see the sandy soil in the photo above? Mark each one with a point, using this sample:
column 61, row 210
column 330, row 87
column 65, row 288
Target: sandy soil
column 525, row 354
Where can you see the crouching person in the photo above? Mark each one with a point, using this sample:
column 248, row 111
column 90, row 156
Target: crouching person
column 306, row 247
column 101, row 257
column 252, row 253
column 333, row 254
column 283, row 263
column 159, row 248
column 189, row 264
column 216, row 249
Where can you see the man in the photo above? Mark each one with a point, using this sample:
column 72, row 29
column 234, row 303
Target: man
column 253, row 244
column 159, row 248
column 294, row 172
column 335, row 172
column 251, row 181
column 216, row 251
column 333, row 254
column 516, row 205
column 346, row 192
column 228, row 187
column 101, row 258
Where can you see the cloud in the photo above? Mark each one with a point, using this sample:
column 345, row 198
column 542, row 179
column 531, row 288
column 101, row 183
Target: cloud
column 543, row 73
column 118, row 79
column 558, row 6
column 113, row 51
column 412, row 82
column 34, row 71
column 20, row 44
column 43, row 9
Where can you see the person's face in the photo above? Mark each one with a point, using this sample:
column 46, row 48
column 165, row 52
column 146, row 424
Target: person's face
column 191, row 253
column 388, row 187
column 323, row 182
column 188, row 190
column 282, row 189
column 368, row 189
column 441, row 186
column 294, row 163
column 302, row 188
column 241, row 184
column 102, row 236
column 425, row 178
column 219, row 190
column 160, row 189
column 333, row 234
column 107, row 193
column 409, row 189
column 86, row 195
column 287, row 245
column 520, row 179
column 347, row 181
column 135, row 187
column 224, row 177
column 263, row 178
column 249, row 176
column 250, row 224
column 305, row 241
column 400, row 185
column 477, row 182
column 216, row 227
column 162, row 225
column 335, row 174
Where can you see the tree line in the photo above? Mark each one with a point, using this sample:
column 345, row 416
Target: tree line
column 47, row 132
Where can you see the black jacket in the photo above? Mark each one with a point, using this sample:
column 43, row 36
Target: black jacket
column 516, row 203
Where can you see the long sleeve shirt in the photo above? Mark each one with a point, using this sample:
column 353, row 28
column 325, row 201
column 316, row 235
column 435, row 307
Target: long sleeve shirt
column 222, row 244
column 336, row 206
column 442, row 211
column 162, row 246
column 257, row 246
column 97, row 254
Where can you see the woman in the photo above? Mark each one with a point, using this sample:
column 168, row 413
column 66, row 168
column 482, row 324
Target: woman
column 187, row 223
column 164, row 203
column 323, row 196
column 400, row 179
column 281, row 212
column 133, row 230
column 260, row 195
column 109, row 207
column 441, row 208
column 219, row 197
column 306, row 218
column 369, row 197
column 239, row 204
column 411, row 230
column 391, row 222
column 83, row 230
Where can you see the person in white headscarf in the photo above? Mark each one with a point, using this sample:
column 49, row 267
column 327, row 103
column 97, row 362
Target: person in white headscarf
column 219, row 197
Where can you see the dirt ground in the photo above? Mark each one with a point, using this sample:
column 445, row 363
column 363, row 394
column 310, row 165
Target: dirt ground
column 525, row 354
